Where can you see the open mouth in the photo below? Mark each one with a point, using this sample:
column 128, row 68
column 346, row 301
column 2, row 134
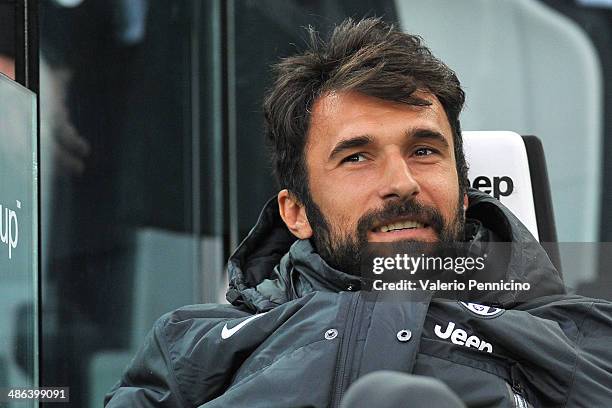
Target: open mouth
column 400, row 225
column 402, row 229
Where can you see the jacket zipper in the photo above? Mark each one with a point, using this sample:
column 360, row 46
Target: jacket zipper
column 345, row 348
column 517, row 392
column 517, row 399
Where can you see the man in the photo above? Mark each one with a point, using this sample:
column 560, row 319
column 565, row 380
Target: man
column 366, row 145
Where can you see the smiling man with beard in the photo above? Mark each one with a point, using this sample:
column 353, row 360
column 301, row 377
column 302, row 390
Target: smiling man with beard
column 366, row 145
column 401, row 157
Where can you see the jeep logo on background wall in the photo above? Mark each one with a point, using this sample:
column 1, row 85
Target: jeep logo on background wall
column 9, row 228
column 500, row 186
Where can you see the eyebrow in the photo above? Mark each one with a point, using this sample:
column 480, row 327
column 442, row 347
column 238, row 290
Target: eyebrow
column 428, row 135
column 350, row 143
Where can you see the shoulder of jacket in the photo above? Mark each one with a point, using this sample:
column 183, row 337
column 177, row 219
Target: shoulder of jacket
column 195, row 318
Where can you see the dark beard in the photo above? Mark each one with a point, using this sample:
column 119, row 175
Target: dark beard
column 344, row 252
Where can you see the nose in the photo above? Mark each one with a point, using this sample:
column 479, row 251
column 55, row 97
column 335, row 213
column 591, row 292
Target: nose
column 397, row 180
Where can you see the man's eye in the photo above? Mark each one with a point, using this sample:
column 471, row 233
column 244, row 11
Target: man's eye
column 424, row 151
column 354, row 158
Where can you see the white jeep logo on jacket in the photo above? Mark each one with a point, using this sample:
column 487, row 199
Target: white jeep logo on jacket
column 460, row 337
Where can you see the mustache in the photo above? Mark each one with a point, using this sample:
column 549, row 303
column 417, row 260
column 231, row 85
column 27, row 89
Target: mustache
column 400, row 209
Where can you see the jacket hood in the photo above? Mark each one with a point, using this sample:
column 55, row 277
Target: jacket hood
column 271, row 266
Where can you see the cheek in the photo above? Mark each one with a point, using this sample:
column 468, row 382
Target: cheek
column 341, row 203
column 341, row 206
column 441, row 189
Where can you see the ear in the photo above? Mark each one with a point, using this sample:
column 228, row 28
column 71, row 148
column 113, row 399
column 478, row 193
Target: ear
column 466, row 202
column 293, row 214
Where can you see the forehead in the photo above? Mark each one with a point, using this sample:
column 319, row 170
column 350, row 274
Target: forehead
column 338, row 115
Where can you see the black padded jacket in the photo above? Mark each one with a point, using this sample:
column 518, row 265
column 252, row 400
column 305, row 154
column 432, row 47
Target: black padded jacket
column 297, row 333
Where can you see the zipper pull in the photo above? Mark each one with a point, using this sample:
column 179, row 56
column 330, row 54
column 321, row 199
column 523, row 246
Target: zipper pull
column 517, row 388
column 519, row 398
column 519, row 392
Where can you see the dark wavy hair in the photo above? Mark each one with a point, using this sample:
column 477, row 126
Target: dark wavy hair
column 369, row 56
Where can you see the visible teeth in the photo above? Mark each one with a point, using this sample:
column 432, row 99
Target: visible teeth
column 401, row 225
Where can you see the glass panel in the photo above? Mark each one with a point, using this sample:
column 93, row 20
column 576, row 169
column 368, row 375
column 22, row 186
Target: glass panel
column 131, row 190
column 18, row 238
column 7, row 38
column 594, row 19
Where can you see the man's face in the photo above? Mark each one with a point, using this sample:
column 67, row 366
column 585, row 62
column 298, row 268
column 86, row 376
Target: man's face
column 380, row 171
